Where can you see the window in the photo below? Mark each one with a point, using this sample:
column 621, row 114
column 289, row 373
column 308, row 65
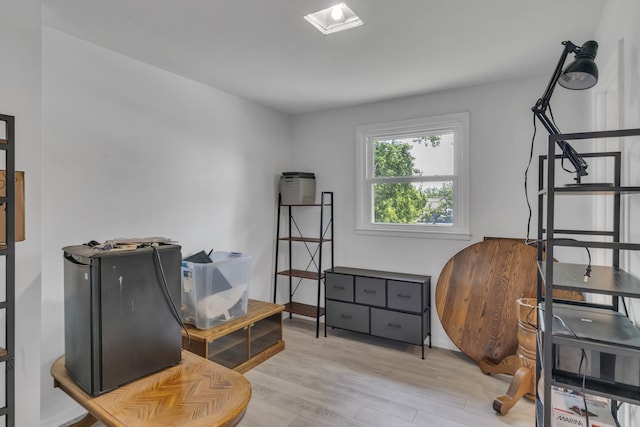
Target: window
column 412, row 177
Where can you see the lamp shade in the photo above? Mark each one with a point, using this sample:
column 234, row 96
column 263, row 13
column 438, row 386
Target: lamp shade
column 583, row 72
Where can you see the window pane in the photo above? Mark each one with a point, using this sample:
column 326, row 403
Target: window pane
column 419, row 156
column 407, row 203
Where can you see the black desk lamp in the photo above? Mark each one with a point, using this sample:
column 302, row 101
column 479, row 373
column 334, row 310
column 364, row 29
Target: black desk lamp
column 580, row 74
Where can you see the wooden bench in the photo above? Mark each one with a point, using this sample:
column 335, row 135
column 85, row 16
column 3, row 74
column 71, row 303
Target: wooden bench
column 194, row 393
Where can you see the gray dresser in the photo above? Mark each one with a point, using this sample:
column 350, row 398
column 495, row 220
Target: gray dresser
column 390, row 305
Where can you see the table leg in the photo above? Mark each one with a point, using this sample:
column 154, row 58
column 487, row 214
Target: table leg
column 508, row 365
column 86, row 421
column 521, row 384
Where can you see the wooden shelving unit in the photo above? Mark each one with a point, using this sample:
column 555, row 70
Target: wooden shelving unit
column 313, row 244
column 241, row 343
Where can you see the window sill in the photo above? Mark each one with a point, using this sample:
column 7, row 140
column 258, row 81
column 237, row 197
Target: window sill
column 419, row 234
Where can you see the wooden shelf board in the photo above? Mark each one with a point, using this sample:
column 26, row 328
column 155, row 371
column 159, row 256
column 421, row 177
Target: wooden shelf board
column 264, row 331
column 306, row 204
column 305, row 239
column 3, row 352
column 229, row 344
column 303, row 274
column 231, row 357
column 264, row 341
column 258, row 358
column 303, row 309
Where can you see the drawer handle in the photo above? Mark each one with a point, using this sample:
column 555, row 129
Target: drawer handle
column 338, row 287
column 394, row 325
column 346, row 316
column 403, row 296
column 369, row 291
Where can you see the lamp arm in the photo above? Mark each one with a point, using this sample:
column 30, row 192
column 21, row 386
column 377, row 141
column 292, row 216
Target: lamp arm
column 568, row 151
column 542, row 104
column 546, row 121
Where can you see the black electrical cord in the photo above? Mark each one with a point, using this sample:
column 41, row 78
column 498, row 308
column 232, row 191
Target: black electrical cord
column 526, row 174
column 587, row 272
column 172, row 304
column 583, row 359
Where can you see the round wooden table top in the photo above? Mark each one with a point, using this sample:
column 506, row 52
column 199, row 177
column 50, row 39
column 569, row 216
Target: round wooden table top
column 477, row 293
column 195, row 393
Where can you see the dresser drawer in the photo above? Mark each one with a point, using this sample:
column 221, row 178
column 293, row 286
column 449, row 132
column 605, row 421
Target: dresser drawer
column 339, row 286
column 347, row 316
column 397, row 326
column 406, row 296
column 370, row 291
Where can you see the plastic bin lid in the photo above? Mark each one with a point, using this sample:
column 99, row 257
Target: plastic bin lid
column 299, row 174
column 220, row 256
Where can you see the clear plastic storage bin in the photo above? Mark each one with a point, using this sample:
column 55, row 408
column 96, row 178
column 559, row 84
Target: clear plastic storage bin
column 215, row 292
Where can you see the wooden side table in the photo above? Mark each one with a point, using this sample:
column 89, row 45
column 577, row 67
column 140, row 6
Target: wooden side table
column 241, row 343
column 194, row 393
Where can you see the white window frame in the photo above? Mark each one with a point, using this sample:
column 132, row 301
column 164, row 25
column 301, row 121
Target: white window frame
column 458, row 123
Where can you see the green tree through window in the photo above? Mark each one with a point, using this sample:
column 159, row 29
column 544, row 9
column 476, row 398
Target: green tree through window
column 404, row 202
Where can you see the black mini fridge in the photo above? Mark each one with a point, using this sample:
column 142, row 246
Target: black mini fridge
column 120, row 314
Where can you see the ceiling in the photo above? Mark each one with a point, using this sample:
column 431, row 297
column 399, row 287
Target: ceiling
column 264, row 50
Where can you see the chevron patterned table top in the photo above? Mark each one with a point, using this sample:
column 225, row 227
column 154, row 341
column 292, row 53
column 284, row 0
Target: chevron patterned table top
column 194, row 393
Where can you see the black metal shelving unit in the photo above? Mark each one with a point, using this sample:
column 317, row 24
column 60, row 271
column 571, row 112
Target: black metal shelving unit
column 608, row 279
column 7, row 250
column 296, row 234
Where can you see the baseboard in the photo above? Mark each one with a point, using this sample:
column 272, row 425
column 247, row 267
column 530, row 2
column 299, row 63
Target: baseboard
column 64, row 418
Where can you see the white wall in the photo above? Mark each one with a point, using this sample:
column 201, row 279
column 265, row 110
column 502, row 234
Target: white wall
column 500, row 135
column 20, row 97
column 131, row 150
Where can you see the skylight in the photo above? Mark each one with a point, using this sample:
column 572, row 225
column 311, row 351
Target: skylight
column 333, row 19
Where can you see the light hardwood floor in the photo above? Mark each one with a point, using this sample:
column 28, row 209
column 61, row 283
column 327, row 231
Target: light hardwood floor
column 350, row 379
